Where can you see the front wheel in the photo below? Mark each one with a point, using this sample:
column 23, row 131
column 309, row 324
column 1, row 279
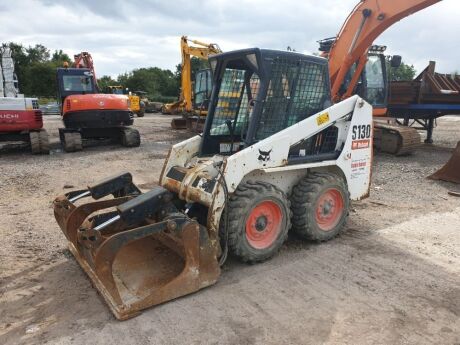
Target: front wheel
column 319, row 205
column 259, row 220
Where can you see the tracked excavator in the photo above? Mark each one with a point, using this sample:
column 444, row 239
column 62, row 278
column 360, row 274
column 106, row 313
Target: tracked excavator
column 192, row 104
column 282, row 158
column 89, row 114
column 358, row 67
column 21, row 120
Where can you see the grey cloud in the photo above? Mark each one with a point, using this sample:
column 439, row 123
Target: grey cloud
column 123, row 35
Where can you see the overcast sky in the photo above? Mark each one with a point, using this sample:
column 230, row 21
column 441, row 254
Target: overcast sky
column 123, row 35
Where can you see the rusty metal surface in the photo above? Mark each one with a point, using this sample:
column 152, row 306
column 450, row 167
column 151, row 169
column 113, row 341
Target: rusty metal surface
column 136, row 267
column 450, row 172
column 428, row 87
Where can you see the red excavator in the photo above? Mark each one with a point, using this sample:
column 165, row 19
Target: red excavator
column 358, row 67
column 88, row 114
column 20, row 118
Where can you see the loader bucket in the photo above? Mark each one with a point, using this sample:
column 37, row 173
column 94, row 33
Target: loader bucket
column 450, row 172
column 137, row 249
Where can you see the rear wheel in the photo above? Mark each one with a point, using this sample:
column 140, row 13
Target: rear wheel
column 130, row 137
column 259, row 220
column 319, row 204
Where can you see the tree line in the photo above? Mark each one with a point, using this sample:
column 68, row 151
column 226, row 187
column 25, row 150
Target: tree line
column 36, row 66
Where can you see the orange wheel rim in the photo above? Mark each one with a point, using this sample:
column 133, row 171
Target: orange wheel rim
column 263, row 224
column 329, row 209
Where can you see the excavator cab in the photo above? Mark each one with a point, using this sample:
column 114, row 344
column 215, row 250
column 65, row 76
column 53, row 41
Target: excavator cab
column 202, row 90
column 74, row 81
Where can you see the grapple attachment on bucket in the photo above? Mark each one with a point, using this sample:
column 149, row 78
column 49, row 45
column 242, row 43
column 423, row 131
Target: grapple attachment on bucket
column 137, row 249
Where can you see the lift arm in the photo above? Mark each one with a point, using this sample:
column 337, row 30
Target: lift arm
column 368, row 20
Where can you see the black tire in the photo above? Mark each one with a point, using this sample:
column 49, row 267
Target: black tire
column 130, row 137
column 141, row 113
column 241, row 205
column 44, row 142
column 34, row 138
column 319, row 187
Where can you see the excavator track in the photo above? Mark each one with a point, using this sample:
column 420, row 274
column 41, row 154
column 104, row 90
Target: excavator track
column 395, row 139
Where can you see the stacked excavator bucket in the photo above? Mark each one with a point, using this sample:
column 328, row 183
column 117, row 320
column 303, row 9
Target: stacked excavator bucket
column 450, row 172
column 136, row 248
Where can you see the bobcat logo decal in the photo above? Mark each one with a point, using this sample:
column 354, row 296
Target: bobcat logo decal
column 264, row 156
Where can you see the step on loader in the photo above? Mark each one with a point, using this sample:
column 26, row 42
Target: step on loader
column 278, row 159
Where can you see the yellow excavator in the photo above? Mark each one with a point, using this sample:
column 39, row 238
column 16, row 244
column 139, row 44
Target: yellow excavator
column 192, row 103
column 135, row 103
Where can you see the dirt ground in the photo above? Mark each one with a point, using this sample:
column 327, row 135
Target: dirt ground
column 392, row 277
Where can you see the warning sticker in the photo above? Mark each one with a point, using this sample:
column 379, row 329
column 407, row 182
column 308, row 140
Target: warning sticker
column 322, row 119
column 360, row 144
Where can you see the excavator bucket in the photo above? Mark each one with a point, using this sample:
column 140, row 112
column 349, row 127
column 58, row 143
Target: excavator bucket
column 450, row 172
column 137, row 248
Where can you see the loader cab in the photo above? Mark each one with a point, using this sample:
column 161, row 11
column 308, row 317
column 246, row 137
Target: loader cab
column 74, row 81
column 257, row 93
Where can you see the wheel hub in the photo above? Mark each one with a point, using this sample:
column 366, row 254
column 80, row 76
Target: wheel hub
column 329, row 209
column 263, row 224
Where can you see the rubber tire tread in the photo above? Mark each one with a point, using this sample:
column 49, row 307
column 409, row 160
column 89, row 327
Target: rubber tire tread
column 303, row 205
column 240, row 203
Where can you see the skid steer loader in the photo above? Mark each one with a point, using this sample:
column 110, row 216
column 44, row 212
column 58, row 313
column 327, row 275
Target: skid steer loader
column 278, row 158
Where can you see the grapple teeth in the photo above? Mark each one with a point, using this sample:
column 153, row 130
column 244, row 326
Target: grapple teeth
column 138, row 261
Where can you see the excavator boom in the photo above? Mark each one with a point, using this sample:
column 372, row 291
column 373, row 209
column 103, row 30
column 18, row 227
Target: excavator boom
column 348, row 55
column 368, row 20
column 188, row 49
column 85, row 60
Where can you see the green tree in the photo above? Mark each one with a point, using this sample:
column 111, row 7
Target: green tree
column 106, row 81
column 403, row 72
column 38, row 53
column 59, row 57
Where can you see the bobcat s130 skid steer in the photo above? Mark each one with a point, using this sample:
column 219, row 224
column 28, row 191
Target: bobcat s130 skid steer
column 274, row 156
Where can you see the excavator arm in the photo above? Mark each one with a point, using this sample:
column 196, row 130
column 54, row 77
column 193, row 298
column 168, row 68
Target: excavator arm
column 200, row 50
column 368, row 20
column 188, row 49
column 85, row 60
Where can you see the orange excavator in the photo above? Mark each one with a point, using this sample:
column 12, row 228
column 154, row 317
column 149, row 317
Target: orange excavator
column 88, row 114
column 358, row 67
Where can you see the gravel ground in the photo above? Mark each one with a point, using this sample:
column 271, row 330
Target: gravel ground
column 392, row 277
